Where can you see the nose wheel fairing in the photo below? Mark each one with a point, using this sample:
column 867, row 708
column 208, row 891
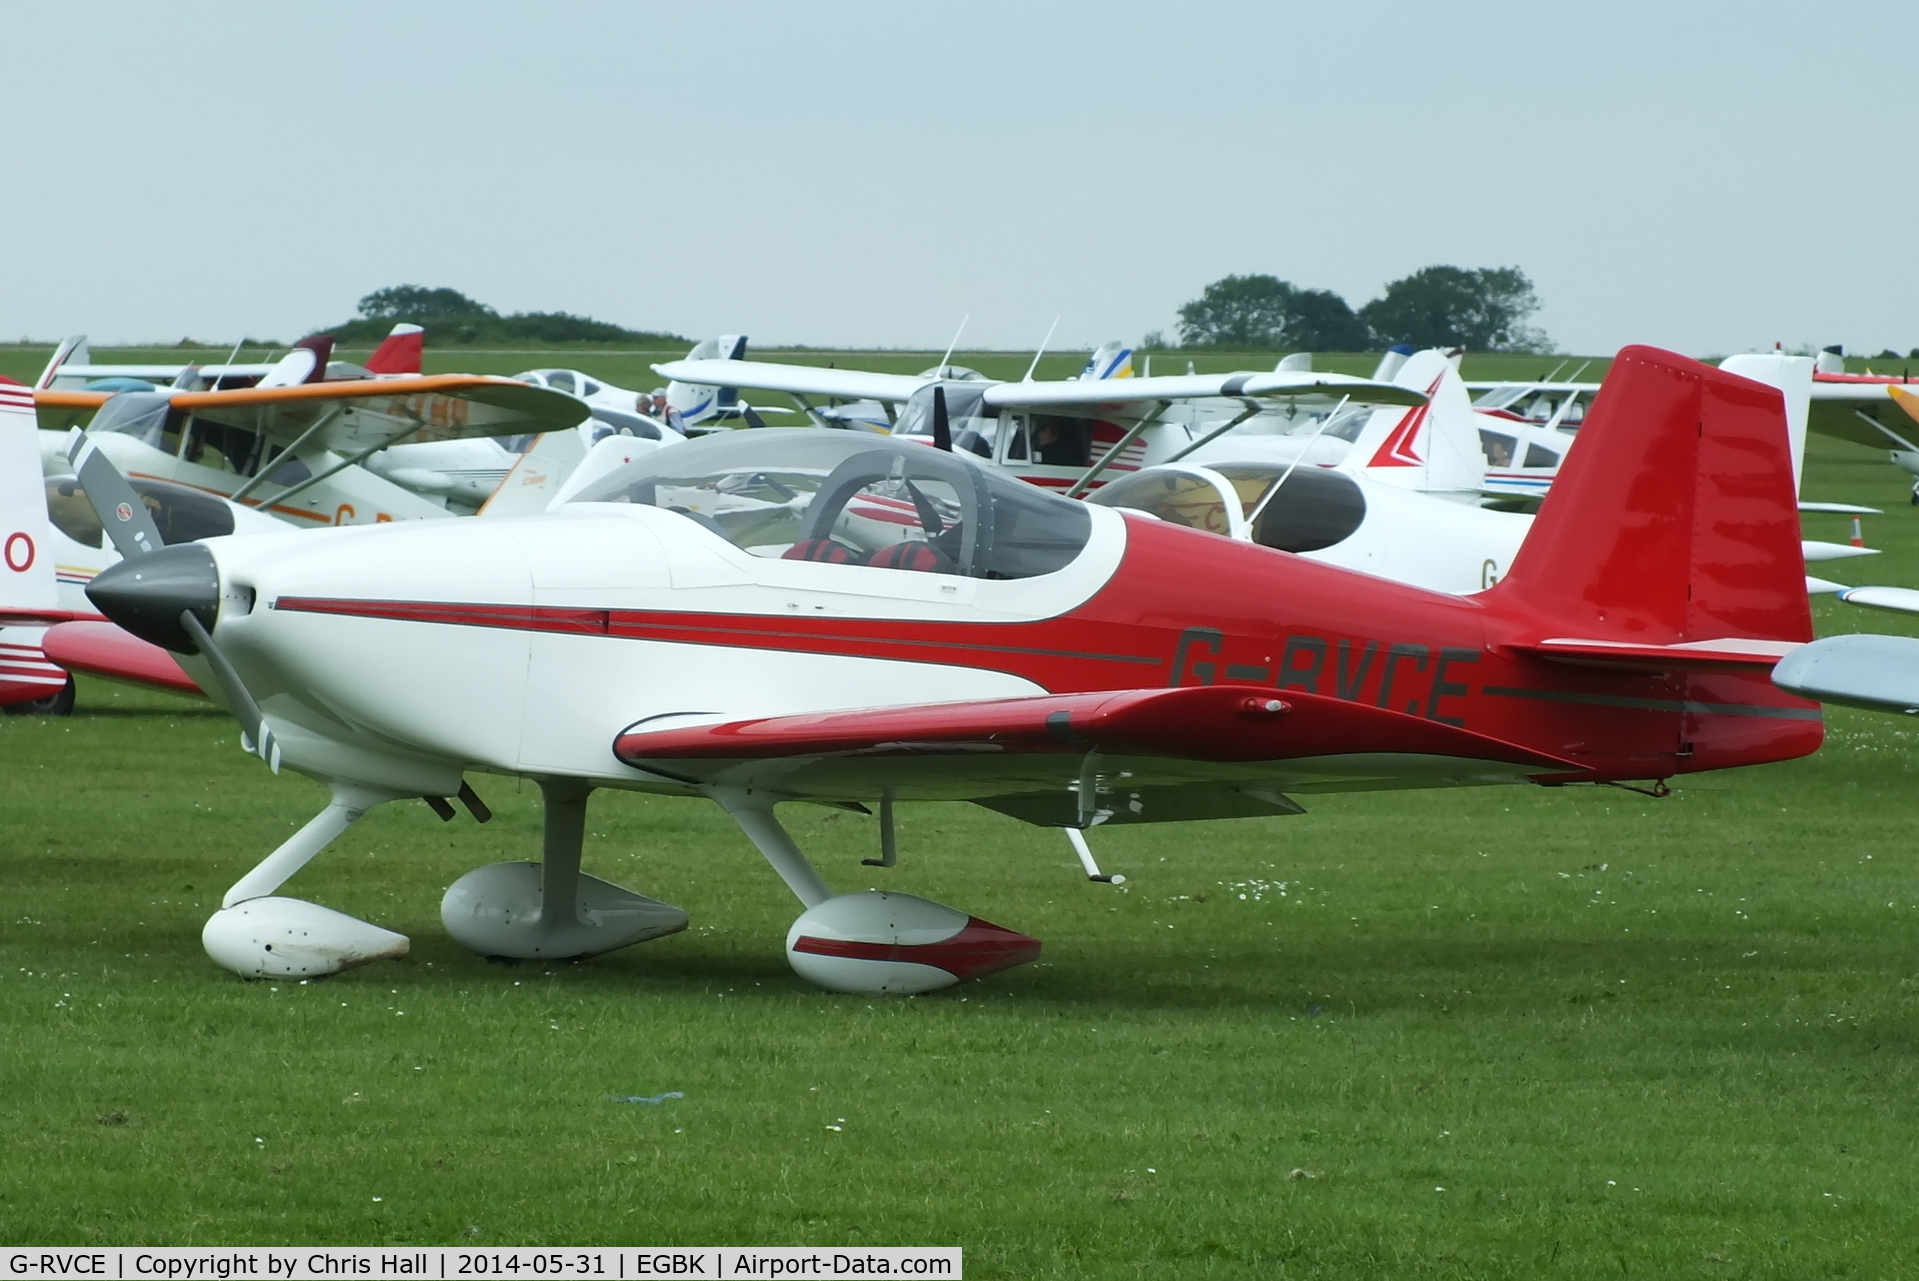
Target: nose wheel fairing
column 500, row 910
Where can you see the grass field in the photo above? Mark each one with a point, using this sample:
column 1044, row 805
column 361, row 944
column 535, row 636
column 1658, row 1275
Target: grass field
column 1500, row 1033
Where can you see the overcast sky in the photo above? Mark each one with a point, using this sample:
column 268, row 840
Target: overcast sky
column 1710, row 177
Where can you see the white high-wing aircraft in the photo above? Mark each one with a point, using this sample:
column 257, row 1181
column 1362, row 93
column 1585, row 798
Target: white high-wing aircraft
column 1362, row 514
column 73, row 368
column 293, row 443
column 1072, row 435
column 825, row 616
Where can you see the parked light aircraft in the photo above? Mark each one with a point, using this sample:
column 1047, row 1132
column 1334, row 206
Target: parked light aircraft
column 1072, row 434
column 72, row 367
column 293, row 443
column 55, row 545
column 824, row 616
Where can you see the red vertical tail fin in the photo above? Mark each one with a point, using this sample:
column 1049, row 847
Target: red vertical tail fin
column 1674, row 517
column 1673, row 522
column 400, row 352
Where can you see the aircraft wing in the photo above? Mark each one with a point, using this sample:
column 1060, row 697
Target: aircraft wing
column 1875, row 414
column 102, row 649
column 1135, row 755
column 1878, row 673
column 1098, row 393
column 356, row 416
column 805, row 380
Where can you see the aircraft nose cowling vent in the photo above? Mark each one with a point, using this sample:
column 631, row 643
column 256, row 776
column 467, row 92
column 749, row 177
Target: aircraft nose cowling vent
column 147, row 595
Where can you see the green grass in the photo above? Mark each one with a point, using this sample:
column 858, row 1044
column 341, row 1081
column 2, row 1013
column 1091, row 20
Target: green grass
column 1626, row 1037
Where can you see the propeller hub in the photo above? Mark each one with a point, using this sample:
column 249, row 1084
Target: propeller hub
column 147, row 594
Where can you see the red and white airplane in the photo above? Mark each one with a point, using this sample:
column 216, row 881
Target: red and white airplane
column 822, row 616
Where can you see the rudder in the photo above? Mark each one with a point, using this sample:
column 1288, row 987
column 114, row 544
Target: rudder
column 1674, row 518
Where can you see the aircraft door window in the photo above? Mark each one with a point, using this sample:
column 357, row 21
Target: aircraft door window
column 1499, row 448
column 560, row 380
column 72, row 514
column 1313, row 508
column 1176, row 497
column 1018, row 440
column 1540, row 456
column 1058, row 441
column 184, row 515
column 588, row 387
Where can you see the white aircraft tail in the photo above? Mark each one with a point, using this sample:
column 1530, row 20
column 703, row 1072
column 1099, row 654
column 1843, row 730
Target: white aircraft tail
column 27, row 585
column 74, row 351
column 1299, row 362
column 1391, row 363
column 1433, row 448
column 693, row 402
column 607, row 454
column 1792, row 375
column 1111, row 360
column 530, row 485
column 306, row 363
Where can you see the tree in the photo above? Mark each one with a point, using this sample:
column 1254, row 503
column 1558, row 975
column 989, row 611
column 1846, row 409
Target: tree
column 450, row 317
column 418, row 304
column 1483, row 310
column 1265, row 311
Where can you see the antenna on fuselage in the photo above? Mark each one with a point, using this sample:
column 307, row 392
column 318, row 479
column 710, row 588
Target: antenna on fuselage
column 1042, row 350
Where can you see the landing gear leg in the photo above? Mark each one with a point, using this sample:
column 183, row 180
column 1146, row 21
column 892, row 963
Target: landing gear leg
column 871, row 941
column 257, row 935
column 550, row 909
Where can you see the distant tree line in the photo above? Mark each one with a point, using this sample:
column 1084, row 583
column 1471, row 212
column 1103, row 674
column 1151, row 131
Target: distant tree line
column 1483, row 309
column 450, row 317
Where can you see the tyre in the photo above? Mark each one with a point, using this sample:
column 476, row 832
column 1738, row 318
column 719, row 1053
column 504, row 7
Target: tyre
column 61, row 703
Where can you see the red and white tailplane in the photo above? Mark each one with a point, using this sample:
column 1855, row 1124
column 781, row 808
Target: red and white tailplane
column 1433, row 447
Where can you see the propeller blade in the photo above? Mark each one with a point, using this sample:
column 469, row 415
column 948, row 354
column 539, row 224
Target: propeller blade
column 121, row 512
column 942, row 426
column 256, row 736
column 752, row 418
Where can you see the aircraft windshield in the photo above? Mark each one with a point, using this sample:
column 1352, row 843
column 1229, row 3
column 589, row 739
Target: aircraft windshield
column 825, row 496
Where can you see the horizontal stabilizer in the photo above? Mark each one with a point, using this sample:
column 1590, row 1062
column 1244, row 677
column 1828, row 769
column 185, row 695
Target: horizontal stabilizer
column 1220, row 723
column 1729, row 654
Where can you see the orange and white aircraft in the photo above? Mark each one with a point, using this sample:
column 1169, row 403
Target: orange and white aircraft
column 295, row 441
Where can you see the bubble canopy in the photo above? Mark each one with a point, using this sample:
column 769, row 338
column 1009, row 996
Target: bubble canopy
column 855, row 499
